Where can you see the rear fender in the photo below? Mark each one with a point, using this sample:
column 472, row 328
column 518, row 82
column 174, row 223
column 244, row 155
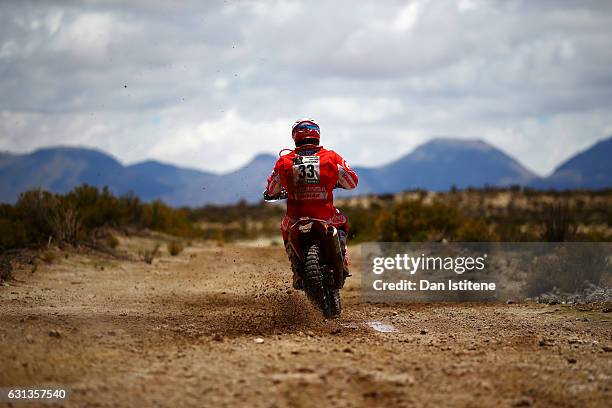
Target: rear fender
column 306, row 231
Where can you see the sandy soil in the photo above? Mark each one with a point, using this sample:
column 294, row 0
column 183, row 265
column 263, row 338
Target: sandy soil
column 219, row 326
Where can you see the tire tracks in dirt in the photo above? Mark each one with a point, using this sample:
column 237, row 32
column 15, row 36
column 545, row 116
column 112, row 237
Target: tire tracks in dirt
column 220, row 326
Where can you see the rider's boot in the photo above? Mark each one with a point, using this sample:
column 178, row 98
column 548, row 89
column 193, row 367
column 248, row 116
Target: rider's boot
column 297, row 281
column 295, row 267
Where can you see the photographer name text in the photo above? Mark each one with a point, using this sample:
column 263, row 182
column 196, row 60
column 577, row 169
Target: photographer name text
column 408, row 264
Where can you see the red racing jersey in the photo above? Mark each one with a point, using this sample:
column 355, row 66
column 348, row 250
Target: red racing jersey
column 309, row 175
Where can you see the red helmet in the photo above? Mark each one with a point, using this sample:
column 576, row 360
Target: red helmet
column 305, row 129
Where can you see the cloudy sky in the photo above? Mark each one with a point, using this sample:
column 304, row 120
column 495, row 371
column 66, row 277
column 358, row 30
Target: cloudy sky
column 209, row 84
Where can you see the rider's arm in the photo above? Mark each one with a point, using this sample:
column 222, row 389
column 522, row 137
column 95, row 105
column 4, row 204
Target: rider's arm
column 274, row 186
column 347, row 178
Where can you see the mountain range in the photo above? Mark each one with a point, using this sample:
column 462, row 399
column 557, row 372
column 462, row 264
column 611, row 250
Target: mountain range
column 436, row 165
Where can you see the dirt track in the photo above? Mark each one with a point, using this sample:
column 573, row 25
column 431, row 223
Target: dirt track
column 181, row 332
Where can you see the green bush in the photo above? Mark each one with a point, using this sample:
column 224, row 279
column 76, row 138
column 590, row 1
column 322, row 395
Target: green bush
column 161, row 217
column 39, row 216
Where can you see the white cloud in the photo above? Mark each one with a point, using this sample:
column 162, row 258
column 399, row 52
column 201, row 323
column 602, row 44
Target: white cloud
column 467, row 5
column 406, row 17
column 223, row 143
column 354, row 110
column 87, row 37
column 210, row 84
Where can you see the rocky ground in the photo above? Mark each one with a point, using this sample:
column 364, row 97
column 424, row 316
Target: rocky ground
column 220, row 326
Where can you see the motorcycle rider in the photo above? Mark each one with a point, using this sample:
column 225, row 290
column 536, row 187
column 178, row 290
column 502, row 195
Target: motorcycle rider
column 309, row 174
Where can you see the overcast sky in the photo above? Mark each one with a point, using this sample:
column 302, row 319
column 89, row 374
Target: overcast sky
column 209, row 84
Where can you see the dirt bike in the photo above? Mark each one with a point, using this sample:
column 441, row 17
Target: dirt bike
column 316, row 244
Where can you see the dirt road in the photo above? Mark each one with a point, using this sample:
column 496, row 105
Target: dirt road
column 219, row 326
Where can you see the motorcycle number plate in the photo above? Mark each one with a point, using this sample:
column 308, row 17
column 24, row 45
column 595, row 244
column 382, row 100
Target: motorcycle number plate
column 307, row 170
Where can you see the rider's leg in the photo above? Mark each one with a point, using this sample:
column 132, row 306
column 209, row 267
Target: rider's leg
column 343, row 243
column 295, row 266
column 342, row 225
column 342, row 235
column 293, row 258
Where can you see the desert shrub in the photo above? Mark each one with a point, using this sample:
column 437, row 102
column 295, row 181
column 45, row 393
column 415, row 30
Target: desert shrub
column 475, row 230
column 362, row 223
column 221, row 236
column 6, row 268
column 415, row 221
column 48, row 257
column 36, row 209
column 150, row 254
column 593, row 236
column 39, row 215
column 112, row 241
column 100, row 208
column 515, row 216
column 237, row 221
column 235, row 212
column 132, row 209
column 161, row 217
column 65, row 222
column 96, row 207
column 74, row 217
column 175, row 248
column 511, row 231
column 559, row 223
column 568, row 269
column 13, row 234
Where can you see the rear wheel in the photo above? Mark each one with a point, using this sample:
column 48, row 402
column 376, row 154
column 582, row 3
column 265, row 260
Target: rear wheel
column 313, row 280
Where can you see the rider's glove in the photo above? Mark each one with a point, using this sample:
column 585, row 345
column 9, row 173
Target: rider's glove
column 268, row 197
column 280, row 196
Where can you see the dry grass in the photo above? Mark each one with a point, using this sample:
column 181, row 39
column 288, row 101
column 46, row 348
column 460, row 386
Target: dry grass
column 568, row 270
column 112, row 241
column 5, row 268
column 175, row 248
column 151, row 254
column 48, row 257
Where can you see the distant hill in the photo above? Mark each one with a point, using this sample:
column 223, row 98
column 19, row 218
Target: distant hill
column 152, row 180
column 60, row 169
column 441, row 164
column 56, row 169
column 590, row 169
column 436, row 165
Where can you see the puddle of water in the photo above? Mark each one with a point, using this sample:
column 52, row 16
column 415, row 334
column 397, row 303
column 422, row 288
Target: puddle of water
column 382, row 327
